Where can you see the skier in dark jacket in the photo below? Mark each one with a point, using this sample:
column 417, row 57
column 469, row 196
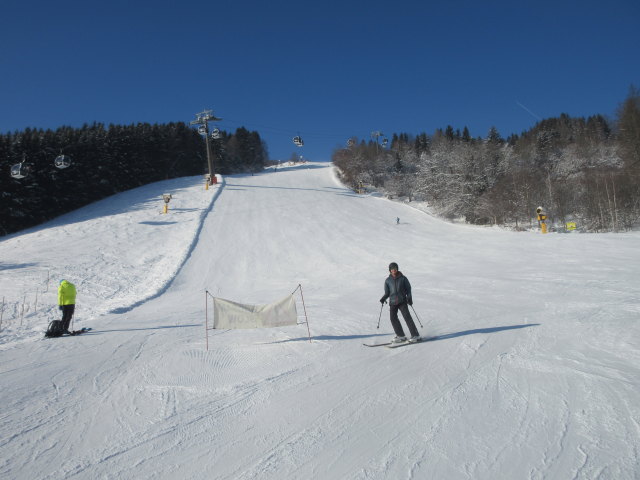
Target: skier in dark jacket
column 398, row 290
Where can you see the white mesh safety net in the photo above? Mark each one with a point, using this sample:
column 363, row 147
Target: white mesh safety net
column 228, row 314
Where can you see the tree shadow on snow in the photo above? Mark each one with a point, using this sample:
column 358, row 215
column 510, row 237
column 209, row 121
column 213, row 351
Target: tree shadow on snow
column 239, row 187
column 156, row 224
column 16, row 266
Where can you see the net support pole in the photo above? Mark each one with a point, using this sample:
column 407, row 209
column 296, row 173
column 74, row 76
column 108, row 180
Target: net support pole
column 304, row 307
column 207, row 294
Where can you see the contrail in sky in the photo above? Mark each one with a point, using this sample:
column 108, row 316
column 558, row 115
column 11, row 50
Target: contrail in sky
column 528, row 111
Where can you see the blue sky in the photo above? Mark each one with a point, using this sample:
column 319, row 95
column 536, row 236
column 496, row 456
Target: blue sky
column 325, row 71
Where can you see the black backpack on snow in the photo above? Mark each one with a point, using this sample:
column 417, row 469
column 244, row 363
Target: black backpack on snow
column 55, row 329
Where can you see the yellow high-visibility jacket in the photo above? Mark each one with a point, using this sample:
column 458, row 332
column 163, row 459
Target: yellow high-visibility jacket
column 66, row 293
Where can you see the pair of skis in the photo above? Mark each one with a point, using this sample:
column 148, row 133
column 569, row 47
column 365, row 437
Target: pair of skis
column 396, row 345
column 80, row 332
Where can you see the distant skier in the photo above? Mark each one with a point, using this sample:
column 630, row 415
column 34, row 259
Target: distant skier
column 398, row 290
column 66, row 303
column 397, row 220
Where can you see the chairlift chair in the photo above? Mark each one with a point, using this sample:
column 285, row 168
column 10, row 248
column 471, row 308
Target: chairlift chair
column 19, row 170
column 298, row 141
column 62, row 161
column 215, row 133
column 202, row 129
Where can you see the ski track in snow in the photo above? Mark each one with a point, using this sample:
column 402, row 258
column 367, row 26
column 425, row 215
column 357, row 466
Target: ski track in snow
column 533, row 374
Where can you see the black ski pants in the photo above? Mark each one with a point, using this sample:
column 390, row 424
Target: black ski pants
column 67, row 315
column 395, row 322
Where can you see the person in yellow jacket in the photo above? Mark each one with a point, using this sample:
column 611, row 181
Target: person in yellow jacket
column 66, row 302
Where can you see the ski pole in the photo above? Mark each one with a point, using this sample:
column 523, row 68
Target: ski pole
column 381, row 307
column 414, row 311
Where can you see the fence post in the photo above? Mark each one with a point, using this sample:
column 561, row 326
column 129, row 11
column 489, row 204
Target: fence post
column 206, row 317
column 24, row 299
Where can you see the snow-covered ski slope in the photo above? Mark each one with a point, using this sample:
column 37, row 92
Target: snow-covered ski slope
column 535, row 374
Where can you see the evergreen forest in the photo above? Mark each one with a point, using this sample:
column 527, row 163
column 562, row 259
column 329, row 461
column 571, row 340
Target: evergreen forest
column 108, row 160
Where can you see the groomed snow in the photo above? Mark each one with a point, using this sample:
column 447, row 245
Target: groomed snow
column 535, row 371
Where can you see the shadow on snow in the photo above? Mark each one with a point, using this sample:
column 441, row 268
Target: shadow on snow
column 94, row 331
column 445, row 336
column 481, row 330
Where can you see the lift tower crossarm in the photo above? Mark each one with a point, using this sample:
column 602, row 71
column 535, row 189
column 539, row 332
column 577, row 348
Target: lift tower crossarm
column 203, row 118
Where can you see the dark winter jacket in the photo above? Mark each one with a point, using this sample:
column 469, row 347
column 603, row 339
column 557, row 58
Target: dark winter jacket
column 397, row 290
